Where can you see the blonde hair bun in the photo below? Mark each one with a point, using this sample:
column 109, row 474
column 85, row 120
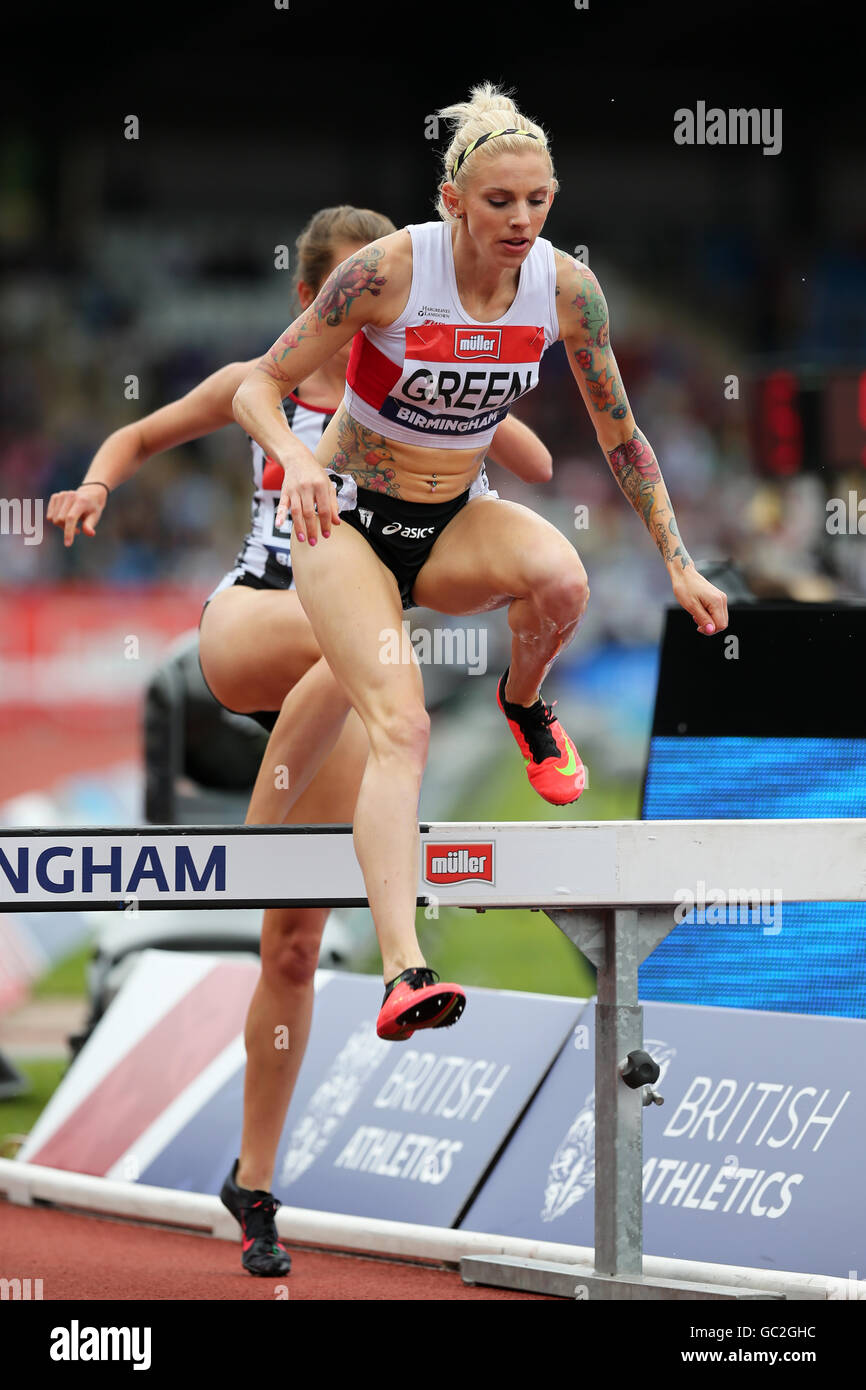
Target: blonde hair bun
column 489, row 111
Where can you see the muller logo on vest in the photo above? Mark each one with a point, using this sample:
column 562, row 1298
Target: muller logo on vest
column 451, row 863
column 485, row 342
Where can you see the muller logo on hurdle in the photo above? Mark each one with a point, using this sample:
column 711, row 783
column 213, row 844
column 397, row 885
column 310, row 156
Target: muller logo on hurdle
column 450, row 863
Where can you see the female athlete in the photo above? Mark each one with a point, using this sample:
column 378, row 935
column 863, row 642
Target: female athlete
column 454, row 317
column 255, row 644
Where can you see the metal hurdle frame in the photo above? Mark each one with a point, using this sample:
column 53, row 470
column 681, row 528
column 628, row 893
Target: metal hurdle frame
column 611, row 887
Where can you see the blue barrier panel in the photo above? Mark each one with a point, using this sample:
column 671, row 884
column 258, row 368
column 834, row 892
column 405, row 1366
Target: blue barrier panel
column 754, row 1159
column 769, row 725
column 801, row 957
column 403, row 1131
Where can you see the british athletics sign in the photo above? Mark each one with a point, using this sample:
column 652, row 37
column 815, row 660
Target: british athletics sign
column 754, row 1159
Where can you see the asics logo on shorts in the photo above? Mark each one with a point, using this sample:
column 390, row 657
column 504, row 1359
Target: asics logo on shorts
column 414, row 533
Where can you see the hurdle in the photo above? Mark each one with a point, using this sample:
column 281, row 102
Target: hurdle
column 611, row 887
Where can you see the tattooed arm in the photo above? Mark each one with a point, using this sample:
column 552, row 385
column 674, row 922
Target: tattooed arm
column 371, row 286
column 584, row 327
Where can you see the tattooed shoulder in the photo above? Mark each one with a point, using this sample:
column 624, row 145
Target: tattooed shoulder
column 360, row 274
column 583, row 308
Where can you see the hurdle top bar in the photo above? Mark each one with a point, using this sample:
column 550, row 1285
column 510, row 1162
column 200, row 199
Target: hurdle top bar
column 463, row 864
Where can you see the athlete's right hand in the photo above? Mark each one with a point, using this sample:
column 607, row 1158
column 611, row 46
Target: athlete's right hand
column 77, row 511
column 309, row 495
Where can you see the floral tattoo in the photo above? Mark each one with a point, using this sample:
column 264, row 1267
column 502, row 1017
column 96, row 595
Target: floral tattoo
column 365, row 455
column 589, row 302
column 632, row 461
column 636, row 469
column 356, row 276
column 348, row 282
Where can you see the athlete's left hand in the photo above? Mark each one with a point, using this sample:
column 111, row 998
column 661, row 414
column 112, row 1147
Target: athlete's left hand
column 707, row 604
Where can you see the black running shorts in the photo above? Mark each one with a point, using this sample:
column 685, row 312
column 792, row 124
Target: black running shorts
column 401, row 533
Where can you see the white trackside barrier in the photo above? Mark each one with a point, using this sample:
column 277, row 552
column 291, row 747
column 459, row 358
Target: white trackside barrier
column 608, row 864
column 612, row 887
column 26, row 1183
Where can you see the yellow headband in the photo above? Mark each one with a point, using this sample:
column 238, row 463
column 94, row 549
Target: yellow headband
column 482, row 139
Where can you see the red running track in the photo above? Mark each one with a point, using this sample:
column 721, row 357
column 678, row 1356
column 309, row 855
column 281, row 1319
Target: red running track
column 36, row 751
column 88, row 1257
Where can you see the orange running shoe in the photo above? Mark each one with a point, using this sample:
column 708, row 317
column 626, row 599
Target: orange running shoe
column 552, row 762
column 415, row 999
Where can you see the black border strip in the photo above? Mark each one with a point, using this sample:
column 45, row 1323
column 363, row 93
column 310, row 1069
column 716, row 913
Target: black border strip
column 794, row 674
column 114, row 905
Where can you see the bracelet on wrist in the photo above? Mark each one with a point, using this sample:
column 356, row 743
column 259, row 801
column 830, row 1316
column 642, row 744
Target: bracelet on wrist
column 94, row 482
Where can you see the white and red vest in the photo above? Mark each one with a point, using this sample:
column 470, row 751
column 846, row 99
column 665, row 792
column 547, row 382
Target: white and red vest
column 439, row 378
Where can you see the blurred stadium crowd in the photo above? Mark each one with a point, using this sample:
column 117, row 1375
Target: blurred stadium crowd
column 142, row 309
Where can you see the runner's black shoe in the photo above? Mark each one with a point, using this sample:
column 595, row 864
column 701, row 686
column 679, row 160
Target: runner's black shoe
column 255, row 1211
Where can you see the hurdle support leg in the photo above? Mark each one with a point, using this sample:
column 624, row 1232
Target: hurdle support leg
column 615, row 941
column 618, row 1110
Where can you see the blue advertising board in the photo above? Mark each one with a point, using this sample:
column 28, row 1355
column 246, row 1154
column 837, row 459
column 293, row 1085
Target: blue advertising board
column 402, row 1131
column 754, row 1159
